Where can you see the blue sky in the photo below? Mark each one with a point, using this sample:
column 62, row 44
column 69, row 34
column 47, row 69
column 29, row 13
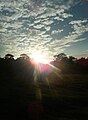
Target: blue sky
column 47, row 26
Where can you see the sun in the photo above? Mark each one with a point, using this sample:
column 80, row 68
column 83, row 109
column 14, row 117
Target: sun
column 39, row 57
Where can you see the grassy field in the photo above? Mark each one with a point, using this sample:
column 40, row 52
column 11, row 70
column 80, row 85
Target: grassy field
column 53, row 97
column 64, row 97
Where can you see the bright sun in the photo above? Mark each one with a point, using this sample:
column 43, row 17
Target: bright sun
column 39, row 58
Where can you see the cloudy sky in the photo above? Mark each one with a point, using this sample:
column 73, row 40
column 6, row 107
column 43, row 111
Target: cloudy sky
column 47, row 26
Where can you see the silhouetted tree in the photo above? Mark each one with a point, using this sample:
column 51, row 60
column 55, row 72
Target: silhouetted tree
column 9, row 56
column 60, row 57
column 72, row 59
column 24, row 56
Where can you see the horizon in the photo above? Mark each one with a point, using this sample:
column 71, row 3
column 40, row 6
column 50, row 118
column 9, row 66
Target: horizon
column 35, row 56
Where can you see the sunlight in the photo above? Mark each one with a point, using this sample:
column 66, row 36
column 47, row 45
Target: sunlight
column 39, row 58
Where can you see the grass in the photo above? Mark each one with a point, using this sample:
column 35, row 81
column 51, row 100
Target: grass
column 53, row 97
column 65, row 97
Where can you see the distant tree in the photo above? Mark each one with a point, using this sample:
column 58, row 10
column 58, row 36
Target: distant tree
column 9, row 56
column 24, row 56
column 72, row 59
column 83, row 61
column 60, row 57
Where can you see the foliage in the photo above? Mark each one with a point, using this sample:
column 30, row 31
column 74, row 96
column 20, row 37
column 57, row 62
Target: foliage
column 57, row 95
column 9, row 56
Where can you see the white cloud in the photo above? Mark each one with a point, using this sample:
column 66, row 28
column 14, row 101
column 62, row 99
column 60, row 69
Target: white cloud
column 21, row 21
column 78, row 22
column 47, row 22
column 66, row 15
column 39, row 26
column 58, row 18
column 57, row 31
column 47, row 28
column 79, row 27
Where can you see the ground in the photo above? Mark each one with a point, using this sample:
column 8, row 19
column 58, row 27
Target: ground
column 55, row 96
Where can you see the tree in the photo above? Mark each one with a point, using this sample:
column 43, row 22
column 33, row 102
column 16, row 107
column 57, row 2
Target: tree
column 24, row 56
column 72, row 59
column 60, row 57
column 9, row 56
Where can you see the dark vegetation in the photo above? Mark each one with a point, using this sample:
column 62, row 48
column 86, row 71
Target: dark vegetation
column 54, row 94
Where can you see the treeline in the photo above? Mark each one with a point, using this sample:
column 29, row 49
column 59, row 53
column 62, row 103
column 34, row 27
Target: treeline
column 19, row 68
column 70, row 64
column 24, row 65
column 16, row 89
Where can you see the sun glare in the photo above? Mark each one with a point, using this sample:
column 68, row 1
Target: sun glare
column 39, row 58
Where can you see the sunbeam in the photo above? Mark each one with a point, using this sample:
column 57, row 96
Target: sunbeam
column 36, row 74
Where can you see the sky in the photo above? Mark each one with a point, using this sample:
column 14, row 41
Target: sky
column 47, row 26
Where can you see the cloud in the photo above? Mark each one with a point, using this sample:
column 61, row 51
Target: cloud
column 79, row 26
column 38, row 26
column 78, row 22
column 57, row 31
column 27, row 25
column 60, row 44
